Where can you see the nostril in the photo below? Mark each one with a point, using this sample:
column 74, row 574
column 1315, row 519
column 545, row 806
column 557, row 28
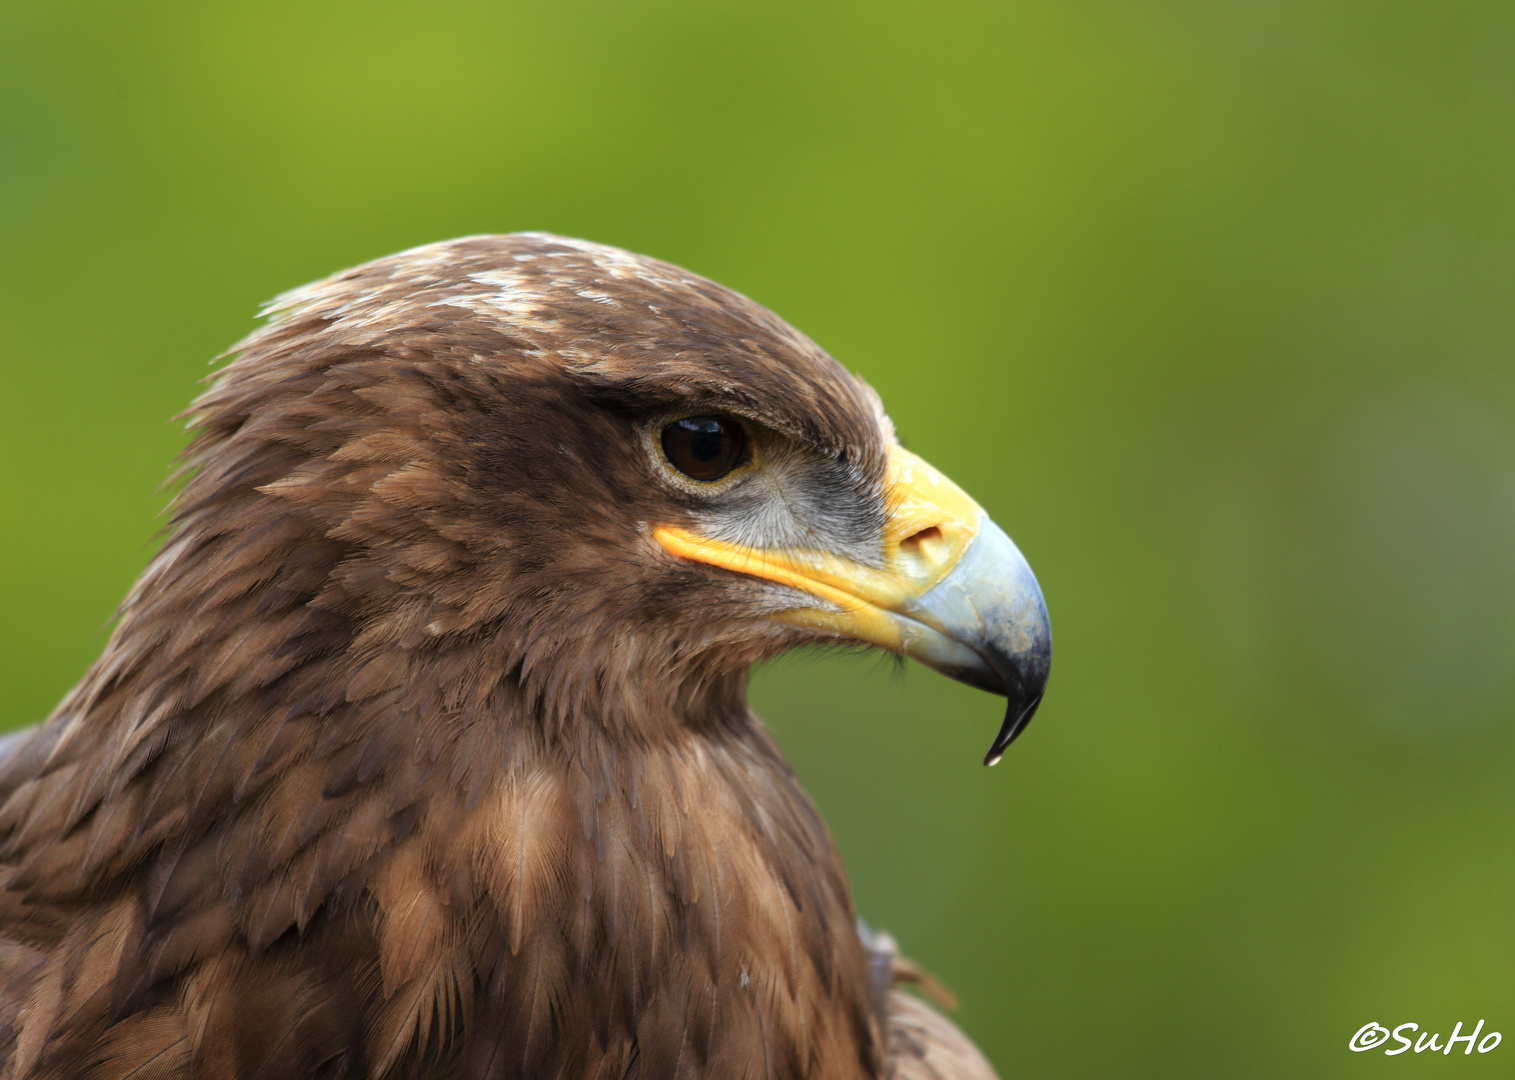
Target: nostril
column 923, row 544
column 925, row 536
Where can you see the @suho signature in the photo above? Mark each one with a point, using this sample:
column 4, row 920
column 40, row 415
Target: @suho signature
column 1372, row 1035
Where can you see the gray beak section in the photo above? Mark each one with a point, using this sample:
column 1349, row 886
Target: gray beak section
column 998, row 638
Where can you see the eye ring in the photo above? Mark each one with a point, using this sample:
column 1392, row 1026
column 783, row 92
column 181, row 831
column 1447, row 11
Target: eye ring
column 704, row 448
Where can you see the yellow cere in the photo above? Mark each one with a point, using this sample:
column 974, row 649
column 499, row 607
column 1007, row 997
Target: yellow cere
column 930, row 523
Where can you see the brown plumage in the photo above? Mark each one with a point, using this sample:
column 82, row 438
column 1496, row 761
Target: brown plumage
column 413, row 755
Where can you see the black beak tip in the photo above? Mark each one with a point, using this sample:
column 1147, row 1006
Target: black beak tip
column 1017, row 715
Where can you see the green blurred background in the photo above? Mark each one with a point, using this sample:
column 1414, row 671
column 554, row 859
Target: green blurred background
column 1208, row 303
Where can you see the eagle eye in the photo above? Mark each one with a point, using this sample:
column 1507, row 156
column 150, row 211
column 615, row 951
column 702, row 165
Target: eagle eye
column 704, row 448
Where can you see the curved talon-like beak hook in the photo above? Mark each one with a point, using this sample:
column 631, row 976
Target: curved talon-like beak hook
column 990, row 601
column 953, row 591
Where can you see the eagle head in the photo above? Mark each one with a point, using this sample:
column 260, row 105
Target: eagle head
column 594, row 476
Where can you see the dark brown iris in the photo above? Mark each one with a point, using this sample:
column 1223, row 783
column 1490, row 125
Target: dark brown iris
column 704, row 447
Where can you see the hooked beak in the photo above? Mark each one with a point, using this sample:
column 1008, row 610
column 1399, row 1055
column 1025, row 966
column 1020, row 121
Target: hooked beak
column 953, row 591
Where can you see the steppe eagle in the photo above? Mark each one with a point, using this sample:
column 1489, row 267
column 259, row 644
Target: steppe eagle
column 421, row 748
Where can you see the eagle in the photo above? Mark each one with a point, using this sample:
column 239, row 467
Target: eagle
column 421, row 747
